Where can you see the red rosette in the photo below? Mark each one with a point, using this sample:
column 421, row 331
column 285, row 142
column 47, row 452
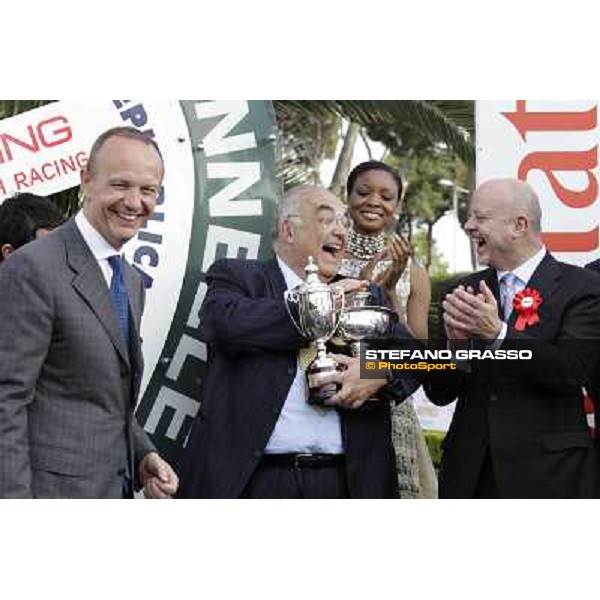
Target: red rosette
column 526, row 304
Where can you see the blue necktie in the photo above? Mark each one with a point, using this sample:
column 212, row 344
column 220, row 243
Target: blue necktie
column 509, row 285
column 118, row 295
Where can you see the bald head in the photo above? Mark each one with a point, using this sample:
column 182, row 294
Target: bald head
column 518, row 198
column 505, row 223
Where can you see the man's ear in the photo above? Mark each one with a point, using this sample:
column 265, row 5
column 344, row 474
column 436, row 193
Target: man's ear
column 522, row 224
column 84, row 180
column 286, row 231
column 6, row 250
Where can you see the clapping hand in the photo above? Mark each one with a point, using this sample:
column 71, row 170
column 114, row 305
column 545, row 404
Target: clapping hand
column 398, row 251
column 468, row 315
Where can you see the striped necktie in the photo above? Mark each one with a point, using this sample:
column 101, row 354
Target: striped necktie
column 508, row 289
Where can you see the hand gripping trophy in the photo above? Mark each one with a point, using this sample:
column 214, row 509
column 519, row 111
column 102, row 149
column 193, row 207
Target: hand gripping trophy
column 318, row 317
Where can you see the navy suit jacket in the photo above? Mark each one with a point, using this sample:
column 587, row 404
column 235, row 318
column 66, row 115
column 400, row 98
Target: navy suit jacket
column 252, row 362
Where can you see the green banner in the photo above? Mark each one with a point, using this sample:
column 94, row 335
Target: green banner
column 233, row 144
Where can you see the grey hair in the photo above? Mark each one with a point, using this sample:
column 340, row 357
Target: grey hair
column 290, row 203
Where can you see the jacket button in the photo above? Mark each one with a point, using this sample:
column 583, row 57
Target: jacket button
column 493, row 396
column 291, row 370
column 275, row 410
column 257, row 453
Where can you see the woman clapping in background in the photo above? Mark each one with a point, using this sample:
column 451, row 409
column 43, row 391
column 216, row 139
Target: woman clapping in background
column 375, row 252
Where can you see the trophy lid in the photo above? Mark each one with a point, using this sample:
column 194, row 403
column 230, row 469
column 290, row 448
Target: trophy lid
column 312, row 281
column 311, row 271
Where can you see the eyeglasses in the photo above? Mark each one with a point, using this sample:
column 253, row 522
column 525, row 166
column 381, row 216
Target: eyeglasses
column 327, row 219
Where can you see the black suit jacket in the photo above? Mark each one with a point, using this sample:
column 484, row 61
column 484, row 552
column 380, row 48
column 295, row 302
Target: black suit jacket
column 594, row 266
column 529, row 414
column 252, row 362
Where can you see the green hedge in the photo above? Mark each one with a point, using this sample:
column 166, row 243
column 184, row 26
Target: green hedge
column 439, row 286
column 434, row 441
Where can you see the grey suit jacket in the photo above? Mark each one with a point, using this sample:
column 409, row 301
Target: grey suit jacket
column 68, row 383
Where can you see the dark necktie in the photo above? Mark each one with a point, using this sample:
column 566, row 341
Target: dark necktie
column 118, row 294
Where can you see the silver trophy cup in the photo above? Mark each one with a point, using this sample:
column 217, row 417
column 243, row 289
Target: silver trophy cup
column 318, row 306
column 360, row 320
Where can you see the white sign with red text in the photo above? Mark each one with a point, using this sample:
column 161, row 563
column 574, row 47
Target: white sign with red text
column 553, row 146
column 218, row 199
column 42, row 151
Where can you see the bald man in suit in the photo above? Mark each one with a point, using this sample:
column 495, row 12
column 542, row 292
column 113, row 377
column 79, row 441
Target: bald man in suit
column 521, row 429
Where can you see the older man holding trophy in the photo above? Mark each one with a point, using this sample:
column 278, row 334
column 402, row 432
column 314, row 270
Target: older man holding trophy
column 267, row 428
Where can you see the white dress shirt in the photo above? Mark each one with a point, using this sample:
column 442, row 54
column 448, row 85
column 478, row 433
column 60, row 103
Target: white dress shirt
column 524, row 272
column 301, row 427
column 99, row 247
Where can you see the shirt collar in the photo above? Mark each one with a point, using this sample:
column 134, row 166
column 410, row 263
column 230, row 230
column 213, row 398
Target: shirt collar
column 525, row 271
column 291, row 278
column 100, row 248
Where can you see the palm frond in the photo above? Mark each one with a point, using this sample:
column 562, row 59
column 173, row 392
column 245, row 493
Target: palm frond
column 10, row 108
column 461, row 112
column 450, row 122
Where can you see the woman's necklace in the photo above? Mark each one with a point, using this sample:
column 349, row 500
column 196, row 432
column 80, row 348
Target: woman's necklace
column 364, row 247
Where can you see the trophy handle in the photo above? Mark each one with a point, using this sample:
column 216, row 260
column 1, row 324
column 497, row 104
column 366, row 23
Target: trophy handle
column 338, row 291
column 291, row 297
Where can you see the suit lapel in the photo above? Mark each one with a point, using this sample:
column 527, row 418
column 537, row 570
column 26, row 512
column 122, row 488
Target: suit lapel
column 90, row 284
column 546, row 277
column 545, row 280
column 275, row 277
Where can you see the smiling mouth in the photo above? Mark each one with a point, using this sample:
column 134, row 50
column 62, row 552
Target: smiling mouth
column 479, row 242
column 127, row 217
column 371, row 215
column 334, row 250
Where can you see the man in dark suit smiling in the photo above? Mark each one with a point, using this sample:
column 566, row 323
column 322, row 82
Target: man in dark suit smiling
column 520, row 430
column 256, row 436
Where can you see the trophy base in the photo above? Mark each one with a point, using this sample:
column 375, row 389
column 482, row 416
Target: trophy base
column 318, row 392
